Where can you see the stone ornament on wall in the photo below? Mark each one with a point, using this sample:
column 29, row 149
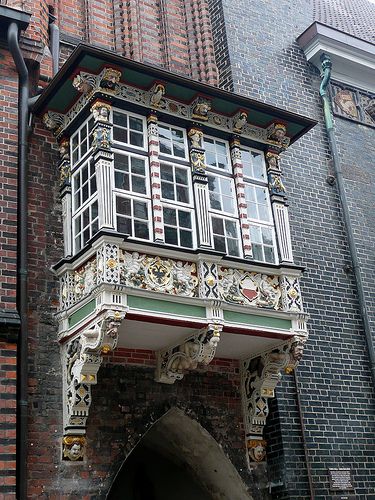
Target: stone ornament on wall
column 110, row 79
column 276, row 134
column 82, row 359
column 259, row 378
column 208, row 280
column 291, row 294
column 84, row 82
column 249, row 288
column 353, row 103
column 195, row 135
column 74, row 448
column 101, row 137
column 53, row 121
column 200, row 108
column 157, row 93
column 157, row 274
column 239, row 122
column 101, row 111
column 174, row 362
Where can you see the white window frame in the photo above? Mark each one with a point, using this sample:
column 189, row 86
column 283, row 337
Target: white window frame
column 233, row 214
column 228, row 170
column 183, row 208
column 79, row 214
column 261, row 153
column 144, row 130
column 189, row 184
column 78, row 172
column 77, row 133
column 236, row 221
column 130, row 154
column 133, row 198
column 184, row 135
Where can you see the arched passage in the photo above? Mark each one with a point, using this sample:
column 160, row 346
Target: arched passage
column 177, row 458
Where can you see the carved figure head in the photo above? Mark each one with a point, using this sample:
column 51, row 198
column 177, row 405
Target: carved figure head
column 73, row 447
column 257, row 450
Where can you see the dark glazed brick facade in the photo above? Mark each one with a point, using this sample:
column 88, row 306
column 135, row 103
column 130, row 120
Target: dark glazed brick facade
column 336, row 388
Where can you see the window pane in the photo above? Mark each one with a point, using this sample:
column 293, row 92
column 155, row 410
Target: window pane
column 141, row 230
column 140, row 210
column 182, row 194
column 217, row 225
column 120, row 134
column 230, row 227
column 124, row 225
column 85, row 192
column 184, row 219
column 120, row 119
column 210, row 159
column 85, row 174
column 219, row 244
column 86, row 217
column 169, row 216
column 255, row 234
column 167, row 190
column 83, row 148
column 138, row 166
column 77, row 225
column 186, row 238
column 122, row 181
column 75, row 141
column 166, row 172
column 171, row 235
column 178, row 150
column 121, row 162
column 258, row 166
column 93, row 185
column 138, row 184
column 257, row 252
column 181, row 176
column 228, row 205
column 269, row 255
column 135, row 124
column 86, row 235
column 136, row 139
column 123, row 206
column 233, row 247
column 263, row 212
column 215, row 201
column 94, row 227
column 94, row 210
column 267, row 236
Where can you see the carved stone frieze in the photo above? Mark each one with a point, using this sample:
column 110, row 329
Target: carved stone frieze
column 161, row 275
column 174, row 362
column 243, row 287
column 82, row 358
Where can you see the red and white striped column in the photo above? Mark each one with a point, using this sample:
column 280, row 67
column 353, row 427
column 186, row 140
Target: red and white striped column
column 153, row 154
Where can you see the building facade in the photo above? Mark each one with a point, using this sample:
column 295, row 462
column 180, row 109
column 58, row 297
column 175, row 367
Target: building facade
column 195, row 223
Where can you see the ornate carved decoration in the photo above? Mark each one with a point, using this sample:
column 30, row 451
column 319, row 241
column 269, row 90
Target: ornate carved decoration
column 195, row 135
column 174, row 362
column 345, row 100
column 82, row 358
column 64, row 166
column 53, row 121
column 200, row 108
column 157, row 93
column 84, row 82
column 101, row 111
column 197, row 160
column 161, row 275
column 276, row 134
column 110, row 79
column 74, row 448
column 259, row 377
column 244, row 287
column 291, row 294
column 239, row 122
column 208, row 280
column 101, row 137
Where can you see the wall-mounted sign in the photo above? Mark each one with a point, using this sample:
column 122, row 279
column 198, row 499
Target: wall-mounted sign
column 340, row 479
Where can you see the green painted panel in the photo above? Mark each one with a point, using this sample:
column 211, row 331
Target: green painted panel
column 166, row 306
column 253, row 319
column 82, row 313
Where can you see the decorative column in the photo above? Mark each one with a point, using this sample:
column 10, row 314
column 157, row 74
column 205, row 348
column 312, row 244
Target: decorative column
column 66, row 195
column 279, row 142
column 174, row 362
column 103, row 158
column 81, row 359
column 200, row 185
column 153, row 153
column 235, row 153
column 259, row 377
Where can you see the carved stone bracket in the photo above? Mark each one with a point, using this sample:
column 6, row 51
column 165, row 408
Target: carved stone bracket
column 259, row 377
column 174, row 362
column 82, row 358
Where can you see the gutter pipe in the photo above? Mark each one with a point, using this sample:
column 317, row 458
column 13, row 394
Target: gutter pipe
column 22, row 269
column 54, row 34
column 326, row 75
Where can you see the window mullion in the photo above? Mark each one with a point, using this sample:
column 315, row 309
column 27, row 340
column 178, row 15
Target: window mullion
column 241, row 199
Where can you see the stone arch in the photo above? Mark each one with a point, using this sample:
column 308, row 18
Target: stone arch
column 185, row 443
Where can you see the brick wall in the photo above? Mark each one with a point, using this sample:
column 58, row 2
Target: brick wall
column 336, row 388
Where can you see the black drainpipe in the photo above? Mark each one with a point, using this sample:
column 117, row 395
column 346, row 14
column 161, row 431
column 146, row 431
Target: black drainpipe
column 22, row 348
column 54, row 35
column 326, row 74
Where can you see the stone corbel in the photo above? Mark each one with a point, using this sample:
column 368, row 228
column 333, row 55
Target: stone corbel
column 276, row 135
column 174, row 362
column 82, row 358
column 84, row 83
column 110, row 79
column 53, row 121
column 200, row 108
column 157, row 93
column 239, row 122
column 101, row 111
column 259, row 378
